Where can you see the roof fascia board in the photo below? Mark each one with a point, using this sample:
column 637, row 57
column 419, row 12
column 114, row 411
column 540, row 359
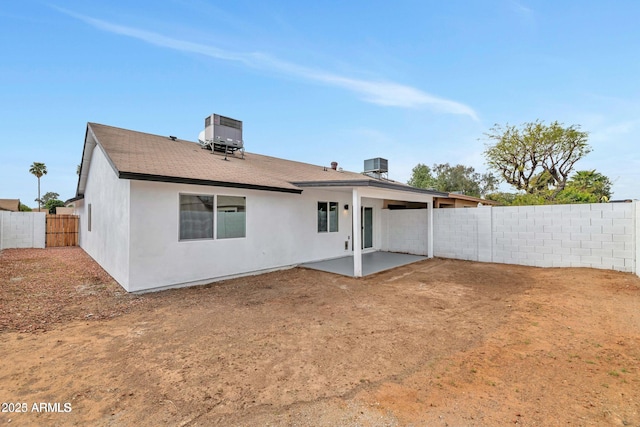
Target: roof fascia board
column 106, row 155
column 82, row 179
column 87, row 154
column 369, row 183
column 179, row 180
column 74, row 199
column 471, row 198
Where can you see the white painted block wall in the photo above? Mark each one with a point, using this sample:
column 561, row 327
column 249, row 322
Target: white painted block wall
column 592, row 235
column 405, row 231
column 600, row 235
column 463, row 233
column 22, row 229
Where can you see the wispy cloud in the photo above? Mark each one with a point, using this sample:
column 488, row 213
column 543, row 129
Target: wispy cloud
column 377, row 92
column 524, row 12
column 615, row 130
column 521, row 8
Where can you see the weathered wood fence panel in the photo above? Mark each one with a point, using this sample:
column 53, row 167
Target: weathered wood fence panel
column 62, row 230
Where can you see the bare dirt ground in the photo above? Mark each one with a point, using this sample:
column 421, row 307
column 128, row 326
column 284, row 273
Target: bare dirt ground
column 436, row 343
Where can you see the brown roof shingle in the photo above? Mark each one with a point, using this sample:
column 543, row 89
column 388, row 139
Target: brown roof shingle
column 138, row 155
column 10, row 205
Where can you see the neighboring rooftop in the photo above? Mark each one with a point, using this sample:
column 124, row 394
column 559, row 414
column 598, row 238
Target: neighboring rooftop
column 455, row 200
column 12, row 205
column 143, row 156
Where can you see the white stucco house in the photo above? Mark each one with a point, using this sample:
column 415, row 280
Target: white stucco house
column 159, row 212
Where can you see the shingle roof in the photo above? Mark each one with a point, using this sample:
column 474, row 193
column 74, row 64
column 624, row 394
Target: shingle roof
column 10, row 205
column 471, row 199
column 138, row 155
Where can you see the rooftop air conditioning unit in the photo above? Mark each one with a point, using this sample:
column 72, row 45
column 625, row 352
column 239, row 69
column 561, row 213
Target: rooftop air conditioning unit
column 223, row 133
column 377, row 165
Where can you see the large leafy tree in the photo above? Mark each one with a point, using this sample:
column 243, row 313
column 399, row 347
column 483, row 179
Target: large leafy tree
column 587, row 187
column 38, row 169
column 52, row 204
column 51, row 201
column 421, row 177
column 519, row 199
column 458, row 178
column 536, row 157
column 463, row 179
column 582, row 187
column 49, row 195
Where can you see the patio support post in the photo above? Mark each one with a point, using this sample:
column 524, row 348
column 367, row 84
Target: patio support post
column 357, row 235
column 430, row 229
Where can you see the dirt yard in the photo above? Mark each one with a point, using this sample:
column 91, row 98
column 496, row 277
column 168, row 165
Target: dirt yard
column 436, row 343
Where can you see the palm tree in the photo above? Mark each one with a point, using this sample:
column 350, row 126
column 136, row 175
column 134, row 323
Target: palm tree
column 38, row 169
column 592, row 182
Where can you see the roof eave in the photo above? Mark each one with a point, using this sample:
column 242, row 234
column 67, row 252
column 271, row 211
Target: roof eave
column 455, row 196
column 182, row 180
column 74, row 199
column 369, row 183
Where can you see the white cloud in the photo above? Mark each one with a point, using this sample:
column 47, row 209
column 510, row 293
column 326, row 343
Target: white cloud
column 526, row 14
column 521, row 9
column 619, row 129
column 384, row 93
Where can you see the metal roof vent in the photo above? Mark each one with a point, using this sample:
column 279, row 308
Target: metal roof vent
column 222, row 134
column 376, row 167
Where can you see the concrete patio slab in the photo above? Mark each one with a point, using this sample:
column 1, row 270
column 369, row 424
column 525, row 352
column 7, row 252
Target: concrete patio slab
column 372, row 262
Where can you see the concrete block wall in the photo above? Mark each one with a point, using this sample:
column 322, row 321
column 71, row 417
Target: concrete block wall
column 405, row 230
column 485, row 240
column 603, row 235
column 455, row 233
column 588, row 235
column 22, row 229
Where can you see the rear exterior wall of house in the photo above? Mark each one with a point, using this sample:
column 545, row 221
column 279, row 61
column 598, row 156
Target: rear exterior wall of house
column 133, row 229
column 281, row 230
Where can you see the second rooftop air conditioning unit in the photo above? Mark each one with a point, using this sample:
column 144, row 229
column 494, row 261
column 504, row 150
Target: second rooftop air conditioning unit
column 377, row 165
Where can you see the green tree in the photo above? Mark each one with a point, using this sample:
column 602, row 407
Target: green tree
column 458, row 178
column 582, row 187
column 592, row 182
column 24, row 208
column 49, row 195
column 570, row 196
column 463, row 179
column 38, row 169
column 518, row 199
column 421, row 177
column 52, row 204
column 536, row 157
column 586, row 187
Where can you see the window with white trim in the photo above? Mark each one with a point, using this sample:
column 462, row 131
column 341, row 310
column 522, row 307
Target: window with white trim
column 231, row 218
column 327, row 217
column 197, row 219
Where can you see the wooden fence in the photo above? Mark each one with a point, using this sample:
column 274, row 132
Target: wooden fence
column 62, row 230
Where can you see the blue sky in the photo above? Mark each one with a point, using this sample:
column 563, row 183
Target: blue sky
column 410, row 81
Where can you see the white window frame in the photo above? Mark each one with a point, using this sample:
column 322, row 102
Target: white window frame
column 213, row 235
column 329, row 221
column 234, row 209
column 215, row 215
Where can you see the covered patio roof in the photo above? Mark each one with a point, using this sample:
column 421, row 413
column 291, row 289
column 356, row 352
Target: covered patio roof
column 376, row 190
column 372, row 262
